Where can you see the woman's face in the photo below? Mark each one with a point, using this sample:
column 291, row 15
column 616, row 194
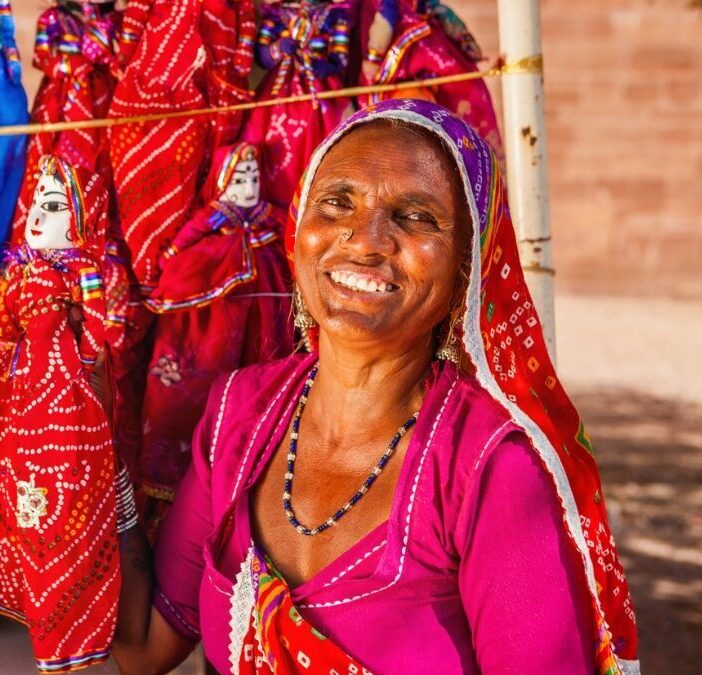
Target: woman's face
column 382, row 237
column 49, row 218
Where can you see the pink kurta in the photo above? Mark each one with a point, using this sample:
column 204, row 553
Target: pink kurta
column 471, row 573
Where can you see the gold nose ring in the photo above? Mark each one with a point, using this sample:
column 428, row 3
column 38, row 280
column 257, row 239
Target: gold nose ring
column 345, row 236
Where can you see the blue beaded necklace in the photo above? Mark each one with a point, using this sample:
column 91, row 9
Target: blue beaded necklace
column 292, row 456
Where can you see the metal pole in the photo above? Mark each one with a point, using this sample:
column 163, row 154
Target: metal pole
column 525, row 145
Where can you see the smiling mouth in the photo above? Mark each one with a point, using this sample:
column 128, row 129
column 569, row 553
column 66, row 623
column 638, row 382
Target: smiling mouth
column 362, row 283
column 36, row 233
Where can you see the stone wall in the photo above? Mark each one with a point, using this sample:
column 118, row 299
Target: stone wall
column 624, row 109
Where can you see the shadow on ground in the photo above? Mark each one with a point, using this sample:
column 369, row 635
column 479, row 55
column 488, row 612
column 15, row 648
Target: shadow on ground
column 650, row 456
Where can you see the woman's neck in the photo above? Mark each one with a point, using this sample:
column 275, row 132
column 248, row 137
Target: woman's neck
column 356, row 389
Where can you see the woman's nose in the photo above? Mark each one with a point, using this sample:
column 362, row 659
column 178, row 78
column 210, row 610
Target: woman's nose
column 370, row 234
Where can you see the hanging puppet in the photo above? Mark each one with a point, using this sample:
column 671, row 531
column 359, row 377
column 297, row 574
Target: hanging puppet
column 304, row 46
column 74, row 51
column 224, row 302
column 59, row 568
column 428, row 40
column 156, row 164
column 228, row 31
column 12, row 111
column 156, row 168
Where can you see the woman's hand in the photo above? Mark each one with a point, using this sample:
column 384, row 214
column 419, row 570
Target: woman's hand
column 145, row 643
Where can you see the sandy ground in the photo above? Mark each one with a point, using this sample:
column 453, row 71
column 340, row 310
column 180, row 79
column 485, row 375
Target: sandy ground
column 651, row 345
column 634, row 371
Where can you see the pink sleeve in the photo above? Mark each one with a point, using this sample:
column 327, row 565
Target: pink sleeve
column 178, row 554
column 523, row 593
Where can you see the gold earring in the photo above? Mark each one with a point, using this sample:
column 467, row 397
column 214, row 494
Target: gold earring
column 448, row 351
column 303, row 319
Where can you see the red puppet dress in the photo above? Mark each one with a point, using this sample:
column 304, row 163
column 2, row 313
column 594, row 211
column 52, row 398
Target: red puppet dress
column 156, row 164
column 224, row 302
column 59, row 568
column 228, row 31
column 431, row 41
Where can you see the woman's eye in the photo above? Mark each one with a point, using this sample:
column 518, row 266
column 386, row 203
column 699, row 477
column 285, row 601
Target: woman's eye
column 53, row 207
column 239, row 181
column 255, row 180
column 336, row 202
column 418, row 217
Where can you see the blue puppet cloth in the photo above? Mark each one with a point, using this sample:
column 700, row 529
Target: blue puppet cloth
column 13, row 110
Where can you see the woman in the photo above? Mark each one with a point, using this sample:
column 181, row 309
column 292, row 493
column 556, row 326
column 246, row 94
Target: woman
column 463, row 552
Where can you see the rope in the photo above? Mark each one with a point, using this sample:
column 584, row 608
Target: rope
column 527, row 65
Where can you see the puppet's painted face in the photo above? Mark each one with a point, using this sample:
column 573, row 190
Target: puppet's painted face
column 244, row 188
column 49, row 218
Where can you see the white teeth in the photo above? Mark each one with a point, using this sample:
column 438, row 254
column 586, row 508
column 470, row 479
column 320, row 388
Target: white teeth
column 359, row 283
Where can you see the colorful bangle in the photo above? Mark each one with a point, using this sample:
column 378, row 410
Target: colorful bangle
column 124, row 500
column 374, row 55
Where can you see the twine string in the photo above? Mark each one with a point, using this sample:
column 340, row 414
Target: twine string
column 527, row 65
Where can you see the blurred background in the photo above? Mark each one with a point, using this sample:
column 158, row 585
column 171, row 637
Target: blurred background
column 623, row 87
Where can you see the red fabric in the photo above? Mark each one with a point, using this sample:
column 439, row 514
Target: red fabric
column 279, row 640
column 156, row 164
column 75, row 54
column 134, row 21
column 227, row 30
column 421, row 49
column 128, row 321
column 59, row 563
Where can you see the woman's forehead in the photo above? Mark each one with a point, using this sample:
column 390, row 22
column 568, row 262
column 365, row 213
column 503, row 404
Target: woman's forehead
column 382, row 132
column 390, row 149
